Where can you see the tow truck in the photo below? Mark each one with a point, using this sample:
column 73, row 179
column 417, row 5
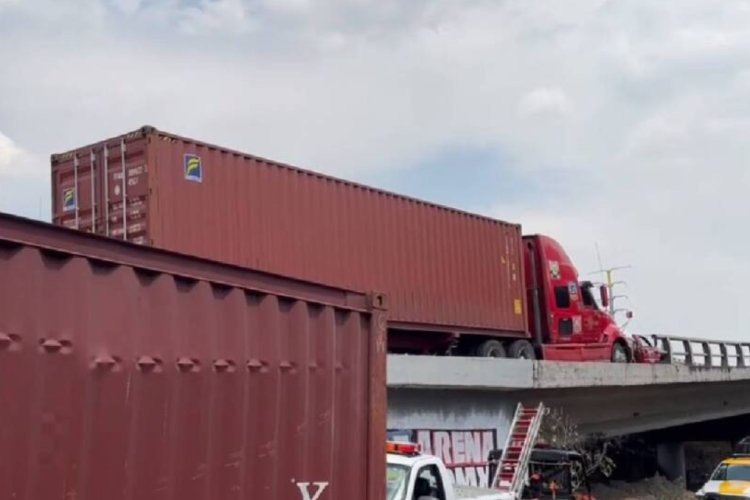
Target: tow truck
column 412, row 475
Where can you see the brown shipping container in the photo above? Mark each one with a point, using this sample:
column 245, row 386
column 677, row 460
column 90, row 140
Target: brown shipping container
column 441, row 269
column 135, row 373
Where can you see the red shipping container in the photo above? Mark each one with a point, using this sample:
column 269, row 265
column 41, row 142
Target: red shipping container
column 133, row 373
column 442, row 269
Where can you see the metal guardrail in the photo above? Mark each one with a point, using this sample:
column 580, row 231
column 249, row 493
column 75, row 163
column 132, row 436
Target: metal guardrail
column 701, row 352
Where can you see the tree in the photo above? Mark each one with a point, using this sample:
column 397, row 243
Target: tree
column 560, row 431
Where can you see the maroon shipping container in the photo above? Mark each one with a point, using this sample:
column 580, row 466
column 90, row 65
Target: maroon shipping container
column 442, row 269
column 134, row 373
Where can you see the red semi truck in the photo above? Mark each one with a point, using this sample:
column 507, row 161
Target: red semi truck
column 134, row 373
column 457, row 283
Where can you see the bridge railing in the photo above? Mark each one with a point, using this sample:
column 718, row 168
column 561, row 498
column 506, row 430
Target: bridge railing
column 702, row 352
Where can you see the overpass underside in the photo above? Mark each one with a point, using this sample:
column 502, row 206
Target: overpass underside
column 627, row 410
column 611, row 399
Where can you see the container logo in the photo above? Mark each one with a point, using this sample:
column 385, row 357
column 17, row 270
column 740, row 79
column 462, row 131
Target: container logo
column 307, row 493
column 193, row 168
column 69, row 199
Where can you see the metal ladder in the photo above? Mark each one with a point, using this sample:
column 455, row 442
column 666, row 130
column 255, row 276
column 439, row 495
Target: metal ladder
column 513, row 468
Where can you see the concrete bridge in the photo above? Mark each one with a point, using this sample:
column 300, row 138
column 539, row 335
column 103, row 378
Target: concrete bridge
column 474, row 394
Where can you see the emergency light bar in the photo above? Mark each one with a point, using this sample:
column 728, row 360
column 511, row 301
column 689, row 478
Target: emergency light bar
column 402, row 448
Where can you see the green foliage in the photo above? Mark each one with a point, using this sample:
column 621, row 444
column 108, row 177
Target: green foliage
column 559, row 430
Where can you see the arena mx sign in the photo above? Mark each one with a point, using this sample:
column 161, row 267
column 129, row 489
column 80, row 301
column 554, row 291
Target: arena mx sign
column 464, row 452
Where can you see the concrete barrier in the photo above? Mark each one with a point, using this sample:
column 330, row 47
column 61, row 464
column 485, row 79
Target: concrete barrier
column 511, row 374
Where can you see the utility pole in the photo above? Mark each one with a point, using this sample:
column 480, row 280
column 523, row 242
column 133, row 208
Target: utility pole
column 609, row 281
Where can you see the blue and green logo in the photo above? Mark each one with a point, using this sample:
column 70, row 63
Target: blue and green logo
column 193, row 168
column 69, row 199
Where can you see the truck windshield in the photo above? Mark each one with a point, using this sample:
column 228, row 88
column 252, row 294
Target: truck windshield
column 732, row 472
column 395, row 488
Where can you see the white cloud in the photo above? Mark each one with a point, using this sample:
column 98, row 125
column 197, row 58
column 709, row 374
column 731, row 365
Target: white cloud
column 24, row 181
column 8, row 151
column 217, row 17
column 544, row 101
column 127, row 6
column 288, row 7
column 15, row 162
column 631, row 117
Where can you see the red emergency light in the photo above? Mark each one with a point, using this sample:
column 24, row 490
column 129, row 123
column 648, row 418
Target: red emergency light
column 402, row 448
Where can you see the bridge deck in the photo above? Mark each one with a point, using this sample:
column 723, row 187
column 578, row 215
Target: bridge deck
column 510, row 374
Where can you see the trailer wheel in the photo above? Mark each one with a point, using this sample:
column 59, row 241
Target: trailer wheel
column 619, row 353
column 522, row 349
column 491, row 349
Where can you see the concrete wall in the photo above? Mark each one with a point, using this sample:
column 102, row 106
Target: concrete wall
column 426, row 412
column 435, row 409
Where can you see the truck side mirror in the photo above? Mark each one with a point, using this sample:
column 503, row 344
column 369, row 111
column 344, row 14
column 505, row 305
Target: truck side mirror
column 604, row 292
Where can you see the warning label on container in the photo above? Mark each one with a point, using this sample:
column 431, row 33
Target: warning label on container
column 517, row 307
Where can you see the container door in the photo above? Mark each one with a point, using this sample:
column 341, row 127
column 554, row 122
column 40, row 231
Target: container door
column 74, row 193
column 90, row 188
column 126, row 191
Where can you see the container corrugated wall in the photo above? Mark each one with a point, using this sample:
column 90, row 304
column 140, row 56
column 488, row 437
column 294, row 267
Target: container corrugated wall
column 440, row 268
column 132, row 373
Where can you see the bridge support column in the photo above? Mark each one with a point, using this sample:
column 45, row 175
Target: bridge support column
column 670, row 458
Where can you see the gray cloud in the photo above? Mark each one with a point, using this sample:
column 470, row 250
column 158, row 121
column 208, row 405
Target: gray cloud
column 640, row 106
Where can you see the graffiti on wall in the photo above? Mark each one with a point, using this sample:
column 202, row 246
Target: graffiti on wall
column 464, row 452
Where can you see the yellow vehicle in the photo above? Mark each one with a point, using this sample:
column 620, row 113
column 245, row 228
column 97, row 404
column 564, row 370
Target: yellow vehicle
column 730, row 480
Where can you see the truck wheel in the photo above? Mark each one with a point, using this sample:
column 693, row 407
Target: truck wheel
column 491, row 349
column 522, row 349
column 619, row 353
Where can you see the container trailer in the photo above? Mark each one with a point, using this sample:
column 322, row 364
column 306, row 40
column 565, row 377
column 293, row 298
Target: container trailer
column 456, row 282
column 131, row 372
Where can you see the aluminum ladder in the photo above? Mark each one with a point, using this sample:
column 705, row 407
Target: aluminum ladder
column 513, row 468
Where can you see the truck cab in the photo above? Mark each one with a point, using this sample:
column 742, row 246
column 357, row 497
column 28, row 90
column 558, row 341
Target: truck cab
column 565, row 320
column 411, row 475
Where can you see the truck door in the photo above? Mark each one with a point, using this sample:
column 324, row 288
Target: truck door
column 567, row 323
column 592, row 317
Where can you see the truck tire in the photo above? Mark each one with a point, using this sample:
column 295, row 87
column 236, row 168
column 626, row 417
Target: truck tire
column 619, row 353
column 522, row 349
column 491, row 349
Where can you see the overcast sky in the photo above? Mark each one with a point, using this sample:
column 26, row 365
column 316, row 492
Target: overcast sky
column 623, row 123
